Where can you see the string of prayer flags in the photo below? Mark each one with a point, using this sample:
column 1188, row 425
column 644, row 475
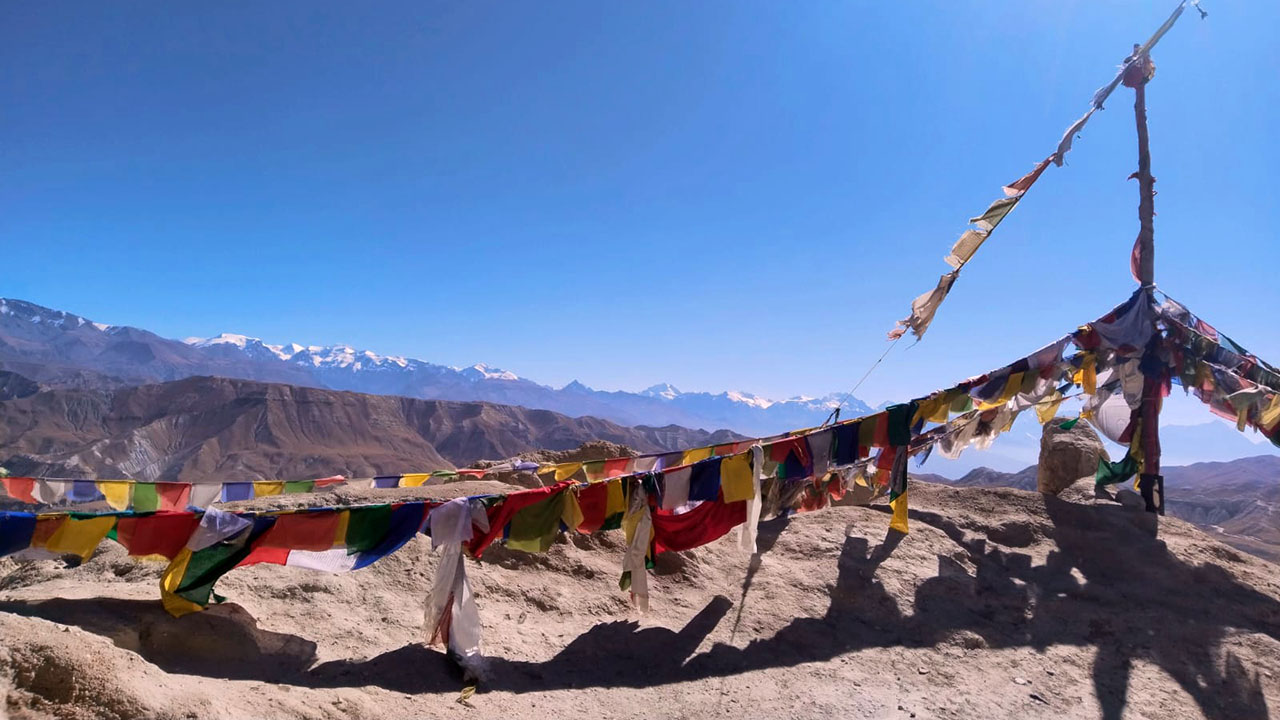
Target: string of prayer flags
column 150, row 496
column 924, row 307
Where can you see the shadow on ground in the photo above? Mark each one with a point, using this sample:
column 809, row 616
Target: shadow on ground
column 1109, row 583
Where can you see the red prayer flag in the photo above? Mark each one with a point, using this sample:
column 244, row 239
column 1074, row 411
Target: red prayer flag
column 593, row 501
column 615, row 467
column 1025, row 182
column 164, row 533
column 173, row 496
column 21, row 488
column 295, row 531
column 45, row 528
column 701, row 525
column 882, row 430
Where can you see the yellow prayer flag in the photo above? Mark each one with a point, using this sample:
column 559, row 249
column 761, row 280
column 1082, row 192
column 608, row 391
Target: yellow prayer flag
column 1089, row 374
column 414, row 479
column 735, row 478
column 1135, row 449
column 564, row 471
column 692, row 456
column 80, row 536
column 340, row 534
column 1012, row 385
column 1047, row 409
column 1271, row 415
column 899, row 521
column 615, row 500
column 116, row 492
column 933, row 409
column 175, row 604
column 572, row 516
column 266, row 488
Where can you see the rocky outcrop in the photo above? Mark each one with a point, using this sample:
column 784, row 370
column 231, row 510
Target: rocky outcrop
column 1067, row 455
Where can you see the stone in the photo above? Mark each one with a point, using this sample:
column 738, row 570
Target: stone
column 1067, row 456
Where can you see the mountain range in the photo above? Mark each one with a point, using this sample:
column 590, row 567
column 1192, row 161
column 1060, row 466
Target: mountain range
column 207, row 428
column 58, row 348
column 1237, row 501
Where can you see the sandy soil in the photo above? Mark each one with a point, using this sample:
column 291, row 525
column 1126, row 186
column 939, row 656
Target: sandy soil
column 1000, row 603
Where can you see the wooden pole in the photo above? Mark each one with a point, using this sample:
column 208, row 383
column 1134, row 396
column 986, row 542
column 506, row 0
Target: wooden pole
column 1146, row 184
column 1151, row 483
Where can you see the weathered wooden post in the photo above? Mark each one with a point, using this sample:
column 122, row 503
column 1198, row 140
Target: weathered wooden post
column 1138, row 73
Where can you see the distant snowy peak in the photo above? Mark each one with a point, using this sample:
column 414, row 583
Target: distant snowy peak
column 826, row 403
column 662, row 390
column 248, row 345
column 480, row 371
column 749, row 399
column 316, row 356
column 38, row 315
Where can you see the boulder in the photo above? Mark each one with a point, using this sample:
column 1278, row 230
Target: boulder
column 1067, row 456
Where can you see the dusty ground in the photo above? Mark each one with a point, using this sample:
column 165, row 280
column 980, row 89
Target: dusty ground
column 999, row 604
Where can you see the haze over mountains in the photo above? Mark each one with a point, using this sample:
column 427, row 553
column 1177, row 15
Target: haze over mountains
column 53, row 346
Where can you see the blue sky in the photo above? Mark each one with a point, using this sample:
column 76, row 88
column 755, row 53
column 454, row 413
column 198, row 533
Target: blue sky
column 716, row 194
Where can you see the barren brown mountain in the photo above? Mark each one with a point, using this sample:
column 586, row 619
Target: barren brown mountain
column 221, row 429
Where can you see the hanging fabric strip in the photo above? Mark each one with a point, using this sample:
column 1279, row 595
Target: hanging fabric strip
column 924, row 308
column 638, row 526
column 747, row 536
column 450, row 615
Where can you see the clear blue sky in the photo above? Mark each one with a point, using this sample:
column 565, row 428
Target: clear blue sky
column 716, row 194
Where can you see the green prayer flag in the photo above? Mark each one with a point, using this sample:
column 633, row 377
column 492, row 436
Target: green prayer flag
column 534, row 528
column 206, row 566
column 1069, row 424
column 994, row 214
column 299, row 486
column 145, row 497
column 899, row 419
column 1111, row 473
column 366, row 527
column 613, row 522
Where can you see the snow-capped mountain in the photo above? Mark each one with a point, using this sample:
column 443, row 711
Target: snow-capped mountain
column 52, row 345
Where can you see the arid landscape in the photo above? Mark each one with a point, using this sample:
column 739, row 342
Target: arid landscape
column 1000, row 603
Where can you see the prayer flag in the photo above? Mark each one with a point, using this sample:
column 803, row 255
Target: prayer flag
column 173, row 496
column 692, row 456
column 80, row 536
column 736, row 479
column 704, row 480
column 534, row 527
column 163, row 534
column 994, row 214
column 701, row 525
column 20, row 488
column 16, row 530
column 1024, row 183
column 116, row 492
